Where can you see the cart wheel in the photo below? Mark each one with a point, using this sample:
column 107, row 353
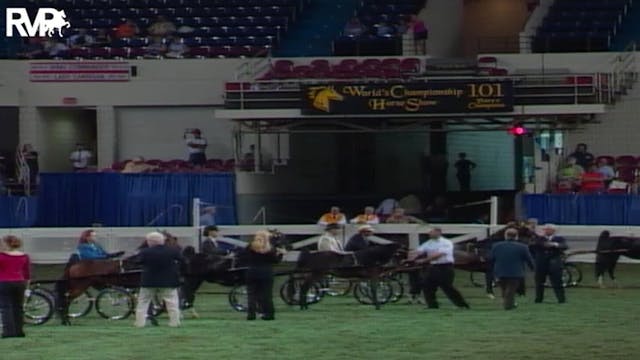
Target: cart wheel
column 81, row 305
column 334, row 286
column 38, row 307
column 397, row 290
column 362, row 292
column 290, row 292
column 238, row 298
column 114, row 303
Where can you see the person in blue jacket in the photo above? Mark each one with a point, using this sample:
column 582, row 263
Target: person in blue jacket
column 509, row 258
column 89, row 249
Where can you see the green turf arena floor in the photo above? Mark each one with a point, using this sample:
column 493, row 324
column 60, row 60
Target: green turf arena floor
column 594, row 324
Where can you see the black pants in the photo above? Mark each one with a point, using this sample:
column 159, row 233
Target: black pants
column 197, row 158
column 11, row 302
column 260, row 293
column 488, row 280
column 551, row 268
column 415, row 282
column 441, row 276
column 509, row 287
column 465, row 181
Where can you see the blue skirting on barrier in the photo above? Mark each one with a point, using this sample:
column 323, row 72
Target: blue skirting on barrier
column 113, row 199
column 584, row 209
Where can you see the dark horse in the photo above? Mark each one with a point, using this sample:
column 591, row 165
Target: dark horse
column 80, row 275
column 370, row 265
column 608, row 251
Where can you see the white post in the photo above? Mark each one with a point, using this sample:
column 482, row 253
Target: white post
column 196, row 213
column 494, row 211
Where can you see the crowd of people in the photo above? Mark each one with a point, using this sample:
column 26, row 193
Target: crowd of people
column 161, row 39
column 582, row 172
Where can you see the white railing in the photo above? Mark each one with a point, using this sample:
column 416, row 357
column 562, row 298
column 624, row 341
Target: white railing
column 54, row 245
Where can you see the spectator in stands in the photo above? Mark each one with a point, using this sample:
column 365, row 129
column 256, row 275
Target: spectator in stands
column 196, row 145
column 592, row 180
column 354, row 27
column 384, row 29
column 160, row 278
column 399, row 217
column 82, row 38
column 156, row 49
column 15, row 274
column 386, row 207
column 606, row 170
column 126, row 30
column 463, row 171
column 55, row 48
column 208, row 216
column 420, row 34
column 161, row 27
column 30, row 157
column 32, row 49
column 360, row 241
column 570, row 175
column 334, row 216
column 102, row 38
column 176, row 48
column 137, row 165
column 89, row 249
column 582, row 156
column 249, row 159
column 368, row 217
column 80, row 158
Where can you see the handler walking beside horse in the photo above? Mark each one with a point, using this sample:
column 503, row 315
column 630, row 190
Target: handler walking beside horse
column 438, row 251
column 549, row 250
column 509, row 258
column 160, row 277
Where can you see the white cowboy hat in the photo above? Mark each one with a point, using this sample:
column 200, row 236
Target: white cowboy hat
column 365, row 228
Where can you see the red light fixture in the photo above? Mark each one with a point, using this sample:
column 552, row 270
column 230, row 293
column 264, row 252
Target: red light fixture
column 518, row 130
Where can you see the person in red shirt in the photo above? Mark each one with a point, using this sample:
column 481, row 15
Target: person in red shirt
column 126, row 30
column 14, row 277
column 592, row 180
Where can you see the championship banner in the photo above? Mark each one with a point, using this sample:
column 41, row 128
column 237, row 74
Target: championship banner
column 79, row 71
column 430, row 97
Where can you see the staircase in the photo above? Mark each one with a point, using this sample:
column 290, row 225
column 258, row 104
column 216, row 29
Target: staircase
column 630, row 31
column 313, row 33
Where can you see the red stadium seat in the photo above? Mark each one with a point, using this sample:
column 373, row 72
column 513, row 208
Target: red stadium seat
column 626, row 160
column 627, row 174
column 410, row 66
column 487, row 61
column 609, row 159
column 391, row 64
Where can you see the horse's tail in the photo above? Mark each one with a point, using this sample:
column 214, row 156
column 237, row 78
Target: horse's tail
column 603, row 261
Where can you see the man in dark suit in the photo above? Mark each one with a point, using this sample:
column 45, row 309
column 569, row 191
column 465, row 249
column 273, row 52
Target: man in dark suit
column 360, row 240
column 509, row 258
column 160, row 278
column 549, row 251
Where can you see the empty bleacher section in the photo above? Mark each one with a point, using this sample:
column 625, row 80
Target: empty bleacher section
column 203, row 28
column 581, row 25
column 382, row 24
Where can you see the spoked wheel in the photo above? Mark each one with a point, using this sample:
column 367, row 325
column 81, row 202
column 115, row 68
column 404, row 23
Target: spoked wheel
column 290, row 292
column 38, row 307
column 575, row 274
column 238, row 298
column 334, row 286
column 81, row 305
column 114, row 303
column 397, row 289
column 364, row 294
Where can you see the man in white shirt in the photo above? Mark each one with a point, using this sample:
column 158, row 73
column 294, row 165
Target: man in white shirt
column 196, row 145
column 438, row 252
column 329, row 240
column 80, row 158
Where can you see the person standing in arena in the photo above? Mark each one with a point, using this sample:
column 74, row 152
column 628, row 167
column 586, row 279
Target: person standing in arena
column 260, row 257
column 196, row 145
column 14, row 277
column 549, row 251
column 438, row 252
column 160, row 278
column 463, row 171
column 80, row 158
column 509, row 258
